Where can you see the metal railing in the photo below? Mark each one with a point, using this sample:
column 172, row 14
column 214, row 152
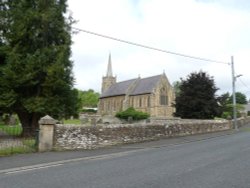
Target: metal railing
column 14, row 140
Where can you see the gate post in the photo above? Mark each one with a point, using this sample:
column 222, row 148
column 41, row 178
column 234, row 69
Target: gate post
column 46, row 133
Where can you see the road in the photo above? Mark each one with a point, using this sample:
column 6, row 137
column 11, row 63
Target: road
column 218, row 162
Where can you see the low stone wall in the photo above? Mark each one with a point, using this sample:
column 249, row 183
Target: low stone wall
column 90, row 137
column 243, row 121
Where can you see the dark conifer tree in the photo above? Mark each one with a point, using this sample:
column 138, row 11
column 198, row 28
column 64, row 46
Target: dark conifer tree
column 36, row 70
column 196, row 99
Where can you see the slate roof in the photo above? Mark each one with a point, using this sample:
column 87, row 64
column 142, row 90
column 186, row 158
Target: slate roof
column 146, row 85
column 117, row 89
column 143, row 86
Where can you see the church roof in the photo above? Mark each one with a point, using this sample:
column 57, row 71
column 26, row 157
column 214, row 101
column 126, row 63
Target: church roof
column 142, row 86
column 117, row 89
column 146, row 85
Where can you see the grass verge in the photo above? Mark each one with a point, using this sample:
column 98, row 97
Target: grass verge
column 24, row 146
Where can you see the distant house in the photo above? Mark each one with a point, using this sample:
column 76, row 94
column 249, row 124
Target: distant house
column 247, row 108
column 153, row 95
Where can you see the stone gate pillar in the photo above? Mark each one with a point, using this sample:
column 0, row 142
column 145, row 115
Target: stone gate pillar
column 46, row 133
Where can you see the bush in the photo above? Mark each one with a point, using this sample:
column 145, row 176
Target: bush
column 132, row 113
column 229, row 115
column 226, row 115
column 89, row 110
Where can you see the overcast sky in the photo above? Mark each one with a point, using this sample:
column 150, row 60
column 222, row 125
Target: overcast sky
column 212, row 29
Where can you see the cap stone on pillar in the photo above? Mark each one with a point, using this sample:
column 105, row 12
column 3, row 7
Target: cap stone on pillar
column 47, row 120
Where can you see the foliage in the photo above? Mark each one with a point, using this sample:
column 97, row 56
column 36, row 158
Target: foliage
column 223, row 101
column 240, row 98
column 131, row 112
column 11, row 130
column 226, row 106
column 197, row 99
column 90, row 110
column 88, row 98
column 176, row 86
column 74, row 104
column 35, row 69
column 228, row 111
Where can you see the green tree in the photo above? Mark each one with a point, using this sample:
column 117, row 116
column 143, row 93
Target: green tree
column 73, row 104
column 35, row 70
column 228, row 111
column 226, row 104
column 89, row 98
column 223, row 101
column 197, row 99
column 240, row 98
column 176, row 85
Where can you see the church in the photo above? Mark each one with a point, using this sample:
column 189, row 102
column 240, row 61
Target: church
column 153, row 95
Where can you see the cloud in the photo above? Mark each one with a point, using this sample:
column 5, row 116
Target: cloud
column 210, row 29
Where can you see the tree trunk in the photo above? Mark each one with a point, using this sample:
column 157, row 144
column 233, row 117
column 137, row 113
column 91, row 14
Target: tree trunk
column 29, row 122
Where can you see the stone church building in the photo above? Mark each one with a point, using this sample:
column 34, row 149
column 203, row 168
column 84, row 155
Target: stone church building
column 153, row 95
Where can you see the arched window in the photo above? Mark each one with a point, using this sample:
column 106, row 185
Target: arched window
column 163, row 97
column 140, row 102
column 108, row 106
column 114, row 105
column 132, row 102
column 149, row 101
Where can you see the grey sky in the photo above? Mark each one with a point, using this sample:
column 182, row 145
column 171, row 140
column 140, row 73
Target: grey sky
column 209, row 29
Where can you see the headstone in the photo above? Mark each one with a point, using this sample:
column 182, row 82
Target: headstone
column 130, row 119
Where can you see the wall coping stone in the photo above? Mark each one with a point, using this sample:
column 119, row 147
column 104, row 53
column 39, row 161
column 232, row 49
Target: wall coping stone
column 47, row 120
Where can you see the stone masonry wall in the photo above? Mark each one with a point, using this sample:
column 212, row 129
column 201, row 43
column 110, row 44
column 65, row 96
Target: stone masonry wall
column 91, row 137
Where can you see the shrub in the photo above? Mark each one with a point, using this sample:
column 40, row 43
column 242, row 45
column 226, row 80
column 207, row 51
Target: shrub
column 226, row 115
column 131, row 112
column 89, row 110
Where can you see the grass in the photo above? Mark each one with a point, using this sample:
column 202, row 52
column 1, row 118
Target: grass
column 15, row 130
column 72, row 121
column 247, row 129
column 27, row 146
column 12, row 150
column 17, row 145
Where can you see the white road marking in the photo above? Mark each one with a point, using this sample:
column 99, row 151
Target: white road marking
column 62, row 162
column 30, row 169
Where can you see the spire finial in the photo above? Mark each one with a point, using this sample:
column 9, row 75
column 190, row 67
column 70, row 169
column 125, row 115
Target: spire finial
column 109, row 70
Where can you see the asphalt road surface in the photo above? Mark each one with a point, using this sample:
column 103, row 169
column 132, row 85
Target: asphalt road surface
column 219, row 162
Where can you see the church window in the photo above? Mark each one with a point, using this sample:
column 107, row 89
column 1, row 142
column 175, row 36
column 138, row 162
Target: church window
column 121, row 105
column 163, row 97
column 149, row 101
column 101, row 105
column 108, row 105
column 140, row 102
column 114, row 105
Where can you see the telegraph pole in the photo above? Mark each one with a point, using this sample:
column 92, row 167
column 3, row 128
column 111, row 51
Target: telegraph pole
column 234, row 98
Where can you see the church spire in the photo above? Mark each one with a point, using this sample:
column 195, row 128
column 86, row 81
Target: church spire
column 109, row 79
column 109, row 70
